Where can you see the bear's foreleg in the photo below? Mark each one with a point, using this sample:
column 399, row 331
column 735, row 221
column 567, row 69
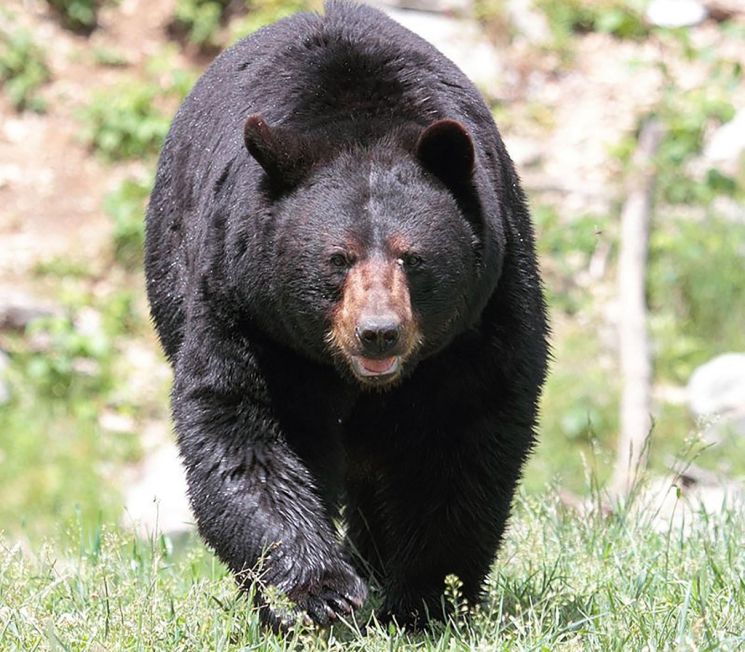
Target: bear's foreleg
column 254, row 500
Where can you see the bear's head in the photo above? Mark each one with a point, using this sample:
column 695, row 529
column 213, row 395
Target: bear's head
column 376, row 248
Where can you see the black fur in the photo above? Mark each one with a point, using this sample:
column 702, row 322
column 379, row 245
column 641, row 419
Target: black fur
column 275, row 432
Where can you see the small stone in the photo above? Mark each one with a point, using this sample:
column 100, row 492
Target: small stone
column 716, row 396
column 18, row 316
column 718, row 387
column 726, row 147
column 116, row 422
column 157, row 501
column 676, row 13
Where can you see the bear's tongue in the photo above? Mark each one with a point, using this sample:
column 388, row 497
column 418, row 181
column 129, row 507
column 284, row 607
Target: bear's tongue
column 378, row 366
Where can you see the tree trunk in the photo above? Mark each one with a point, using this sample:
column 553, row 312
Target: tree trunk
column 636, row 366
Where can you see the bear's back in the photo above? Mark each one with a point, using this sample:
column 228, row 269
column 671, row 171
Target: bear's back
column 353, row 72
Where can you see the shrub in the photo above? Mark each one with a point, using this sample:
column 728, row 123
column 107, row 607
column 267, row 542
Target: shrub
column 621, row 18
column 23, row 69
column 78, row 15
column 263, row 12
column 199, row 21
column 696, row 289
column 71, row 362
column 125, row 122
column 687, row 116
column 126, row 206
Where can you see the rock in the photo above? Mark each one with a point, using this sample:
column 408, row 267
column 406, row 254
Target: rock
column 460, row 7
column 157, row 501
column 16, row 316
column 718, row 387
column 726, row 147
column 10, row 175
column 527, row 21
column 672, row 503
column 18, row 308
column 716, row 395
column 721, row 10
column 675, row 13
column 524, row 152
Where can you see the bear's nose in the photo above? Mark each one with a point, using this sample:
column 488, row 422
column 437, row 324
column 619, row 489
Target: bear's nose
column 378, row 334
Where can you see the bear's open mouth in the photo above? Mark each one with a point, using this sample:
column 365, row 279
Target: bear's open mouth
column 372, row 368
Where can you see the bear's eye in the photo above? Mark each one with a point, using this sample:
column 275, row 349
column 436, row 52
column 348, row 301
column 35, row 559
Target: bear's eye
column 410, row 260
column 340, row 261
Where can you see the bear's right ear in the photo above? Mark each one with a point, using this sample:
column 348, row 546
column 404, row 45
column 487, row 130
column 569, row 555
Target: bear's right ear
column 445, row 149
column 282, row 153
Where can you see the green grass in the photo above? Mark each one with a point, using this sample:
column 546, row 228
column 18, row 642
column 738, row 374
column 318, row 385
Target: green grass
column 562, row 582
column 695, row 277
column 48, row 474
column 56, row 459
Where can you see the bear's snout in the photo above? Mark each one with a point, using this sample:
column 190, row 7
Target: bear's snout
column 373, row 327
column 378, row 334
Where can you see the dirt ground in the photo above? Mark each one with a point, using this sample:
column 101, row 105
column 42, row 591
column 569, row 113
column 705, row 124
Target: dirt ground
column 51, row 185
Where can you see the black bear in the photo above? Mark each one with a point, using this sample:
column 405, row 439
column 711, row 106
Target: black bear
column 341, row 269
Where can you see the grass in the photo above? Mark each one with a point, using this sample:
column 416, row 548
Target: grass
column 563, row 582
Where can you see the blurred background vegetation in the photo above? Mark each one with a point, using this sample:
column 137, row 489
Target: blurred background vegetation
column 88, row 88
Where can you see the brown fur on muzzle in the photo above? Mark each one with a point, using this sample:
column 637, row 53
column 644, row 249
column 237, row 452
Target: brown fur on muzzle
column 374, row 287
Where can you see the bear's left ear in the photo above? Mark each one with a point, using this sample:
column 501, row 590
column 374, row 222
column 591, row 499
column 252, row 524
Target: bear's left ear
column 445, row 149
column 282, row 153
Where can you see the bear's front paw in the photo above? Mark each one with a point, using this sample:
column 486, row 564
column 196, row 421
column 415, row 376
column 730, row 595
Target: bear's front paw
column 335, row 592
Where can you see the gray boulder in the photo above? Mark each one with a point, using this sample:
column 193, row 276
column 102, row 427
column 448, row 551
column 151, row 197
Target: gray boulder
column 725, row 148
column 716, row 396
column 156, row 501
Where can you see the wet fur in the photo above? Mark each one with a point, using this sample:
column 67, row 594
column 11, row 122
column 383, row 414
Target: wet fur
column 274, row 435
